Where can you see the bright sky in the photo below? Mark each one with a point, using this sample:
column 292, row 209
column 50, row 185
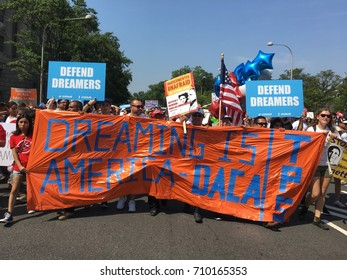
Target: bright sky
column 161, row 36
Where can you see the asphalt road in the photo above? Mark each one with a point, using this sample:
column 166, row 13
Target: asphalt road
column 97, row 234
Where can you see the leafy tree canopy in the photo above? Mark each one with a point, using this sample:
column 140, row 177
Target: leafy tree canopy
column 65, row 40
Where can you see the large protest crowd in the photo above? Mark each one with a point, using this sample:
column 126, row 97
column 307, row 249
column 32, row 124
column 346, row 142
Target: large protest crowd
column 324, row 120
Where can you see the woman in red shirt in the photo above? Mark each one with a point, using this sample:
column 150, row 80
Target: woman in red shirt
column 20, row 144
column 2, row 136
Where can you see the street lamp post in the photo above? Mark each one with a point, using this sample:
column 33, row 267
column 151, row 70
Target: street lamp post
column 200, row 89
column 200, row 84
column 291, row 53
column 43, row 48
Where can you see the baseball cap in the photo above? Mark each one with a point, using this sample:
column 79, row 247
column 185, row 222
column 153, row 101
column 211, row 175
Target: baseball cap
column 156, row 112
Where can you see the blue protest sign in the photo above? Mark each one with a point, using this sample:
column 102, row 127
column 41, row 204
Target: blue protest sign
column 76, row 80
column 274, row 98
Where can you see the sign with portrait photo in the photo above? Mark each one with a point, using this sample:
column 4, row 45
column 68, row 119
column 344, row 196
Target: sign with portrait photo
column 180, row 95
column 337, row 158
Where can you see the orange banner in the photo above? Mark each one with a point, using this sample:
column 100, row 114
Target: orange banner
column 251, row 173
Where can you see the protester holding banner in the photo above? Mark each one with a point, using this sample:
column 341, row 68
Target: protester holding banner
column 20, row 144
column 88, row 107
column 197, row 118
column 322, row 177
column 158, row 114
column 136, row 108
column 62, row 105
column 260, row 121
column 104, row 108
column 153, row 202
column 277, row 123
column 74, row 106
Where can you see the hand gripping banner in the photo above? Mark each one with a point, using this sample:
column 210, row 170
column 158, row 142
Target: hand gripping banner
column 251, row 173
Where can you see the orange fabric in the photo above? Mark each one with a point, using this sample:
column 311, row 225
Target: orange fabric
column 252, row 173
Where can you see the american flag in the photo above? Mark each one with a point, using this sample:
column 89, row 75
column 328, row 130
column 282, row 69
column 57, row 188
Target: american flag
column 229, row 99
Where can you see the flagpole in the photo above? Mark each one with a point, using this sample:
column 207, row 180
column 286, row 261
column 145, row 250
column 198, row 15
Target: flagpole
column 220, row 100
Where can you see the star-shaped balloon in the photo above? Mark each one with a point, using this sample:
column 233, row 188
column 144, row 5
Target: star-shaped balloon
column 264, row 60
column 238, row 74
column 251, row 71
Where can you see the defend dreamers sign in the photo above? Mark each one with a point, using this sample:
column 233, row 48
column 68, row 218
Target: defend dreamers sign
column 277, row 98
column 76, row 80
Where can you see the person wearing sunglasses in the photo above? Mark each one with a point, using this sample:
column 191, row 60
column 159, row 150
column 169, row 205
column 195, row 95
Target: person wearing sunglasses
column 136, row 108
column 260, row 121
column 196, row 120
column 321, row 179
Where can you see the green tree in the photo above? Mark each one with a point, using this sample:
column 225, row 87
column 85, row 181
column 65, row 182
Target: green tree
column 203, row 80
column 203, row 85
column 340, row 102
column 77, row 40
column 326, row 89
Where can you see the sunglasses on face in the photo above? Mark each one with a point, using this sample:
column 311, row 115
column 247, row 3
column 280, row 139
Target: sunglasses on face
column 324, row 115
column 197, row 115
column 138, row 106
column 264, row 124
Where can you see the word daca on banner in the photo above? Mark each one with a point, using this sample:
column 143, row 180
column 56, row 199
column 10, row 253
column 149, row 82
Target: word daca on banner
column 129, row 145
column 80, row 72
column 277, row 100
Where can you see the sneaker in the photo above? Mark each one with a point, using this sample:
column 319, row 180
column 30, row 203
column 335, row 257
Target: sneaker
column 325, row 211
column 154, row 210
column 21, row 197
column 197, row 216
column 274, row 226
column 217, row 216
column 65, row 216
column 121, row 202
column 31, row 211
column 339, row 204
column 321, row 224
column 132, row 206
column 7, row 218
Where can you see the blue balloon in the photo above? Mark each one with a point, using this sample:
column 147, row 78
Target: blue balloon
column 264, row 60
column 216, row 86
column 251, row 71
column 238, row 73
